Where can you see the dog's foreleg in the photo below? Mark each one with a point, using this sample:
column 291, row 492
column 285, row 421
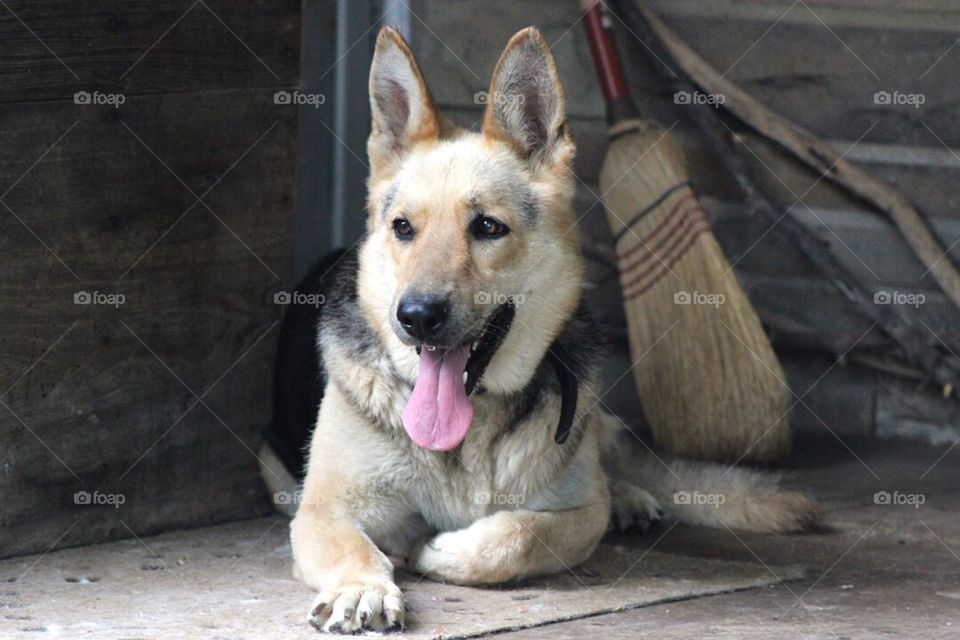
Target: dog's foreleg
column 353, row 577
column 332, row 551
column 514, row 544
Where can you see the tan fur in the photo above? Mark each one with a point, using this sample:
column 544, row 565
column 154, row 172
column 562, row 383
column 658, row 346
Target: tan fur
column 370, row 494
column 737, row 498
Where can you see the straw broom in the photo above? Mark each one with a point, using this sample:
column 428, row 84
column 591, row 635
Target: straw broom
column 710, row 383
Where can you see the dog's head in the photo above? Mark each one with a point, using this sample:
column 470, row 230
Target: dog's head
column 471, row 265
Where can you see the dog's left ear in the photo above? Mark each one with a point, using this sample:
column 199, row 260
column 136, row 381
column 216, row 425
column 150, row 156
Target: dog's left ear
column 525, row 104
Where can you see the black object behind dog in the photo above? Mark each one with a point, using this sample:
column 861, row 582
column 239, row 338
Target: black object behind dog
column 299, row 380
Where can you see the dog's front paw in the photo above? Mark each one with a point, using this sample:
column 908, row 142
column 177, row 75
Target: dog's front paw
column 467, row 557
column 633, row 509
column 354, row 607
column 438, row 557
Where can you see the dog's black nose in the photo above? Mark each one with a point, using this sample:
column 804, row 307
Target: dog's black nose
column 422, row 316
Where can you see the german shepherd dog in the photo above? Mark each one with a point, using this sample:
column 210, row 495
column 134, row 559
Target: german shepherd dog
column 458, row 431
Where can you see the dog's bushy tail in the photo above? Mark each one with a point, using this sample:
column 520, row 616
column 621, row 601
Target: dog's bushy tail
column 708, row 494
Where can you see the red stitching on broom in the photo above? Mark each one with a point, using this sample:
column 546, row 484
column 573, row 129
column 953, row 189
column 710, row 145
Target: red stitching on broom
column 680, row 223
column 682, row 251
column 666, row 219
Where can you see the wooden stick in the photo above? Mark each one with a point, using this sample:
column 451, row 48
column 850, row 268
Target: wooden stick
column 918, row 345
column 816, row 154
column 916, row 342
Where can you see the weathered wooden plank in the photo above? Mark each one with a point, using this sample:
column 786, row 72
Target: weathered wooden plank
column 111, row 186
column 99, row 401
column 823, row 77
column 829, row 397
column 926, row 15
column 146, row 47
column 864, row 242
column 827, row 79
column 197, row 289
column 930, row 181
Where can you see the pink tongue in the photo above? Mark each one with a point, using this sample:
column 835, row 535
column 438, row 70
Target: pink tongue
column 438, row 413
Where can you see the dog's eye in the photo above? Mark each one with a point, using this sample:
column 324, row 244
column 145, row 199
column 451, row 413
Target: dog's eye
column 402, row 229
column 487, row 228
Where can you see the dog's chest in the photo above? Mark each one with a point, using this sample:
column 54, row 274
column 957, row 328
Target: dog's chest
column 452, row 494
column 490, row 472
column 508, row 460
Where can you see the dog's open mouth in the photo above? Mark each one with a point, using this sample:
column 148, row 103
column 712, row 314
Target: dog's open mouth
column 438, row 413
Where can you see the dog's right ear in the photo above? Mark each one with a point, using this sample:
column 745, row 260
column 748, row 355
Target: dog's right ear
column 403, row 112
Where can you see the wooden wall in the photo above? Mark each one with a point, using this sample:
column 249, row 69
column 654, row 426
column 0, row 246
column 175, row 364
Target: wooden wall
column 177, row 196
column 819, row 63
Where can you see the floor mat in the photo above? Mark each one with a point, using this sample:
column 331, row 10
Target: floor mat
column 233, row 581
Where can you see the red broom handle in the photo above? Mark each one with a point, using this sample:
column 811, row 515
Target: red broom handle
column 620, row 105
column 610, row 73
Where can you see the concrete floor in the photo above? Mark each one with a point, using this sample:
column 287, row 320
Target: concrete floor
column 884, row 570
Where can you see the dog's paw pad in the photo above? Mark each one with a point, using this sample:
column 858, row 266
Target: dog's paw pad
column 633, row 509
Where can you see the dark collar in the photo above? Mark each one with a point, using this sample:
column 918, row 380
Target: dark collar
column 557, row 356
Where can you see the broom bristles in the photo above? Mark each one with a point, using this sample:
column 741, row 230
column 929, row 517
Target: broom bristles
column 709, row 380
